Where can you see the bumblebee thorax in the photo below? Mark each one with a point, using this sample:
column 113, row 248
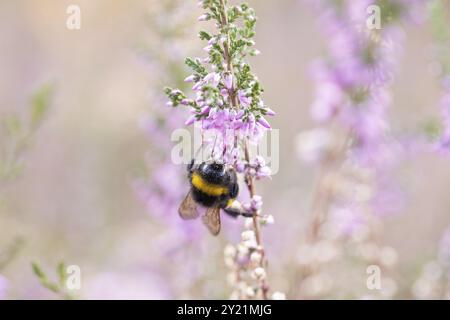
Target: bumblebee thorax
column 213, row 173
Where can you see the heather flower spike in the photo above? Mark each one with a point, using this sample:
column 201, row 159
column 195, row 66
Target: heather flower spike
column 227, row 103
column 353, row 145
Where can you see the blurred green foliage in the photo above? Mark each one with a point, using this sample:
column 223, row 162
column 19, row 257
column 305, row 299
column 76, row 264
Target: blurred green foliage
column 58, row 286
column 17, row 132
column 441, row 33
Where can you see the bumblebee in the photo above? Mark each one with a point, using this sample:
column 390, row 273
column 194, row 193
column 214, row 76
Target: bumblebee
column 214, row 186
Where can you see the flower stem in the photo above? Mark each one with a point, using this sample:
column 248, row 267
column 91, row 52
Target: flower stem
column 227, row 57
column 257, row 227
column 248, row 178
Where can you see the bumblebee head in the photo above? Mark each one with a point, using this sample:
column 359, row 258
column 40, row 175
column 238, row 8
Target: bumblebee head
column 215, row 167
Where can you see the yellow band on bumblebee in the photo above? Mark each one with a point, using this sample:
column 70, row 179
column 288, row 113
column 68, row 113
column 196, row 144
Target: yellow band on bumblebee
column 230, row 203
column 206, row 187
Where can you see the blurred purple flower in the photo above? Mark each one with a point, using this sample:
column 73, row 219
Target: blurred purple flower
column 125, row 286
column 3, row 287
column 444, row 249
column 347, row 220
column 443, row 145
column 352, row 91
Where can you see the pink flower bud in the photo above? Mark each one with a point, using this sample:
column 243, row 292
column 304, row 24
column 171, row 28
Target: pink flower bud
column 190, row 120
column 212, row 77
column 197, row 86
column 191, row 78
column 205, row 110
column 240, row 166
column 228, row 81
column 263, row 172
column 203, row 17
column 259, row 161
column 185, row 102
column 262, row 121
column 224, row 93
column 243, row 99
column 247, row 206
column 256, row 202
column 240, row 114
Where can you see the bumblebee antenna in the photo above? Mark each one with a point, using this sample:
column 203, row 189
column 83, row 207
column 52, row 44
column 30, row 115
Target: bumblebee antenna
column 214, row 147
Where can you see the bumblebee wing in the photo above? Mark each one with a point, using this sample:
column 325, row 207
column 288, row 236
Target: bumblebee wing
column 211, row 219
column 188, row 208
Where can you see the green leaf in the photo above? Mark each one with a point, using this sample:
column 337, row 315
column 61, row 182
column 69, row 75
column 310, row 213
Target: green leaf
column 13, row 125
column 40, row 103
column 168, row 90
column 203, row 35
column 196, row 66
column 432, row 129
column 61, row 271
column 44, row 280
column 38, row 271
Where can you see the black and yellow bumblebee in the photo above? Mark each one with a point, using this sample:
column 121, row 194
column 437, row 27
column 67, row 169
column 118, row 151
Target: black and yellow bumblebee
column 214, row 186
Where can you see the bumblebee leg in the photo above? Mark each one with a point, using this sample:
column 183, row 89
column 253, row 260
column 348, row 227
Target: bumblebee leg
column 234, row 208
column 247, row 214
column 231, row 213
column 190, row 165
column 233, row 188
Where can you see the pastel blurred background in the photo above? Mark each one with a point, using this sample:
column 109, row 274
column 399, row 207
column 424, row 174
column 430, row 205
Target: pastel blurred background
column 76, row 199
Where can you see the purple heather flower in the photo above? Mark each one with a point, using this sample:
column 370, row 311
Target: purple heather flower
column 205, row 110
column 263, row 172
column 262, row 121
column 186, row 102
column 259, row 161
column 240, row 166
column 203, row 17
column 256, row 202
column 197, row 86
column 212, row 77
column 191, row 78
column 352, row 90
column 228, row 81
column 243, row 99
column 190, row 120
